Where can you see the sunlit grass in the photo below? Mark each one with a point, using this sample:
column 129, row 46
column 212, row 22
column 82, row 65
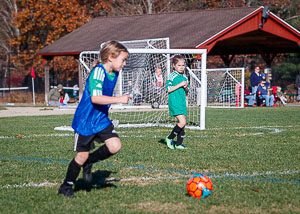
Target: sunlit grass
column 252, row 156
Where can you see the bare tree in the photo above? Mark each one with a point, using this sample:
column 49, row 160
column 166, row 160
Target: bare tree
column 7, row 32
column 149, row 6
column 131, row 7
column 247, row 3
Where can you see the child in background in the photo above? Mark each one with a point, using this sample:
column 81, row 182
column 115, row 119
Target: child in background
column 64, row 98
column 279, row 94
column 237, row 91
column 262, row 92
column 91, row 122
column 264, row 78
column 249, row 96
column 159, row 77
column 177, row 87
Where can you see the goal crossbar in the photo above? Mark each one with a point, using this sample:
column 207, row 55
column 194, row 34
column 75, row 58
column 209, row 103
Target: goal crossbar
column 87, row 57
column 167, row 51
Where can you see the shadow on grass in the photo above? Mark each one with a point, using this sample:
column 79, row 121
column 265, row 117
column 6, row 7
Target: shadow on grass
column 162, row 141
column 99, row 182
column 188, row 195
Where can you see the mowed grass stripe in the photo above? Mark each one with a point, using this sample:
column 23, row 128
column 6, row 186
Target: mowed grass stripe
column 242, row 176
column 251, row 155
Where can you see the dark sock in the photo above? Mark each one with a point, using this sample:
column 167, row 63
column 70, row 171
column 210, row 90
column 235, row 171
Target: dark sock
column 174, row 132
column 100, row 154
column 180, row 137
column 72, row 173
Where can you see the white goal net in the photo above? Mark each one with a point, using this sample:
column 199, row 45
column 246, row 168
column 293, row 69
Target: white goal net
column 145, row 76
column 87, row 58
column 225, row 87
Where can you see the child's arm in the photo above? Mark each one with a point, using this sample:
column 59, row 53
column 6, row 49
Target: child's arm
column 186, row 90
column 186, row 96
column 106, row 100
column 182, row 84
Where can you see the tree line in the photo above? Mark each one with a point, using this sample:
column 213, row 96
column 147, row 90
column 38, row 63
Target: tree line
column 30, row 25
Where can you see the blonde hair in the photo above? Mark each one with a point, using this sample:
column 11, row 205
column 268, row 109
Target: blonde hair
column 111, row 48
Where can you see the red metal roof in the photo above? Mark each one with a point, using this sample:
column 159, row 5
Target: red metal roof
column 246, row 36
column 221, row 31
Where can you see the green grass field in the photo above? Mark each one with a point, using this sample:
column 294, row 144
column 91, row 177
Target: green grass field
column 252, row 156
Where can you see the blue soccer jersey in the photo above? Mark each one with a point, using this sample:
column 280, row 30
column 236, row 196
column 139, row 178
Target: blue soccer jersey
column 92, row 118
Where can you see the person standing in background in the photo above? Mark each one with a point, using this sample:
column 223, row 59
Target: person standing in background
column 255, row 79
column 298, row 86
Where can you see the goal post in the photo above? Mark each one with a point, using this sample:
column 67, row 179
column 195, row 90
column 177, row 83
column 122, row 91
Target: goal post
column 225, row 87
column 199, row 65
column 158, row 43
column 145, row 77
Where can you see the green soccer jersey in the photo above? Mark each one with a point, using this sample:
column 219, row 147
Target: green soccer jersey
column 97, row 80
column 177, row 98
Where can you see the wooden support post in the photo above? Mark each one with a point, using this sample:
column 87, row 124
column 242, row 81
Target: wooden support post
column 46, row 70
column 268, row 58
column 47, row 85
column 227, row 59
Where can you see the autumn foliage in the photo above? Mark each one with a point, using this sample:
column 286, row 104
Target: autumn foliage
column 41, row 22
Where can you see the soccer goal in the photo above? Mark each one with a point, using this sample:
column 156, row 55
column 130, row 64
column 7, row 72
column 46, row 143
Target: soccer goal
column 87, row 58
column 144, row 77
column 225, row 87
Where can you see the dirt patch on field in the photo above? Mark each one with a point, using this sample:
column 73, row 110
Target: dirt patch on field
column 34, row 111
column 157, row 207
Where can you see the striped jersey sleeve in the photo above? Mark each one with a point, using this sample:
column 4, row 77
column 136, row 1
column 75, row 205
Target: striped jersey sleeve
column 171, row 77
column 96, row 81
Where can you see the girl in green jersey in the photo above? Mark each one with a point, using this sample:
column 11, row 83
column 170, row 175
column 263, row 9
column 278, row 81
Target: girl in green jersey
column 177, row 87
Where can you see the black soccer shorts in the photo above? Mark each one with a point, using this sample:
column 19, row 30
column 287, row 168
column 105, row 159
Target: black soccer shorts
column 86, row 143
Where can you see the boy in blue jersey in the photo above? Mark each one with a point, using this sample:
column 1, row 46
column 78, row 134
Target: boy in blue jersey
column 91, row 122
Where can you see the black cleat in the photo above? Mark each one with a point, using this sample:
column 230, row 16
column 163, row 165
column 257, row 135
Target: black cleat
column 66, row 190
column 87, row 173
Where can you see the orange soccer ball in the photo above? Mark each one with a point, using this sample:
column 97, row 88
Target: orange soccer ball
column 199, row 186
